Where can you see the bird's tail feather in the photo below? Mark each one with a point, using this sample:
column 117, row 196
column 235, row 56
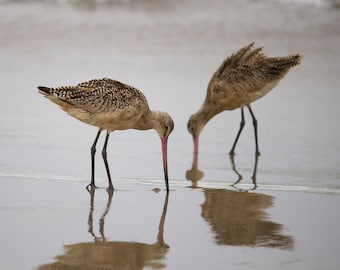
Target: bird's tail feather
column 45, row 90
column 287, row 61
column 279, row 66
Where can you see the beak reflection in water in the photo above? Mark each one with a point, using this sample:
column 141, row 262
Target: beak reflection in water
column 103, row 254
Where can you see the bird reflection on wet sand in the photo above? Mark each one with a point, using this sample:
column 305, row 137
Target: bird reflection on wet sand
column 102, row 254
column 195, row 174
column 238, row 218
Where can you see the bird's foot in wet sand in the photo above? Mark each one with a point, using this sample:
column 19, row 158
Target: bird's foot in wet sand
column 91, row 187
column 110, row 189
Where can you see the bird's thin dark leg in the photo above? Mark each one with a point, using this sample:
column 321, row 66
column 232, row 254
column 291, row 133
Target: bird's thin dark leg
column 253, row 177
column 93, row 152
column 257, row 152
column 232, row 151
column 105, row 160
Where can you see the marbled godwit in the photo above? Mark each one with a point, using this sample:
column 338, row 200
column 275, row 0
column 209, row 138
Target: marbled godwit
column 244, row 77
column 111, row 105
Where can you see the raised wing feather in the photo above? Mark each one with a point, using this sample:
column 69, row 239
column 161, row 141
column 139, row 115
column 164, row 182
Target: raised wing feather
column 248, row 74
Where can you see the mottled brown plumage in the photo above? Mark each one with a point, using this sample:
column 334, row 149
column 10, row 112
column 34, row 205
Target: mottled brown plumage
column 111, row 105
column 105, row 103
column 244, row 77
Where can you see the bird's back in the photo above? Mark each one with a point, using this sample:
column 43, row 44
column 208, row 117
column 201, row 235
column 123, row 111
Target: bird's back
column 246, row 76
column 98, row 101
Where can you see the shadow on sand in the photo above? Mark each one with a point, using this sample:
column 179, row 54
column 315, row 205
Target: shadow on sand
column 102, row 254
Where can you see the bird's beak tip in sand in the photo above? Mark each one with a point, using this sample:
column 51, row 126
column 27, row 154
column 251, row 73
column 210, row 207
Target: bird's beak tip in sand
column 164, row 141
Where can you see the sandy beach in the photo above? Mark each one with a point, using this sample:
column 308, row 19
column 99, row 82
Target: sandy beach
column 169, row 50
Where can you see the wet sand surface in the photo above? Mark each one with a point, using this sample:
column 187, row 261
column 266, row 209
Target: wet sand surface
column 169, row 50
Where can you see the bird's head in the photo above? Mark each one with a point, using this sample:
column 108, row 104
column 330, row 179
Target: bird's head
column 195, row 126
column 164, row 125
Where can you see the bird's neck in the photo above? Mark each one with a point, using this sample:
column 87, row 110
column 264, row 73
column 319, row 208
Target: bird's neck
column 203, row 116
column 206, row 112
column 147, row 121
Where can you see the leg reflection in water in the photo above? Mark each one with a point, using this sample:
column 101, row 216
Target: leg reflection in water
column 240, row 177
column 102, row 218
column 194, row 174
column 104, row 254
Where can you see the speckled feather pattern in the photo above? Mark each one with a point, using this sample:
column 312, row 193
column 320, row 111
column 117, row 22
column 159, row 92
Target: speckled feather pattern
column 102, row 96
column 105, row 103
column 246, row 76
column 109, row 104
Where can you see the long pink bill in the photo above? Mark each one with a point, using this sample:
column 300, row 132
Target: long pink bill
column 195, row 158
column 165, row 161
column 196, row 146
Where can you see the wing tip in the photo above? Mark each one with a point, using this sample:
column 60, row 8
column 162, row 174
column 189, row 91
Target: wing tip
column 299, row 58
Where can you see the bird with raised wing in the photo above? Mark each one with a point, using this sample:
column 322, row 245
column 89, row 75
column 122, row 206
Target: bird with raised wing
column 244, row 77
column 111, row 105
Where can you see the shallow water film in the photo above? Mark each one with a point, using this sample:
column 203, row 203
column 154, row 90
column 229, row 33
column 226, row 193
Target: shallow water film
column 277, row 210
